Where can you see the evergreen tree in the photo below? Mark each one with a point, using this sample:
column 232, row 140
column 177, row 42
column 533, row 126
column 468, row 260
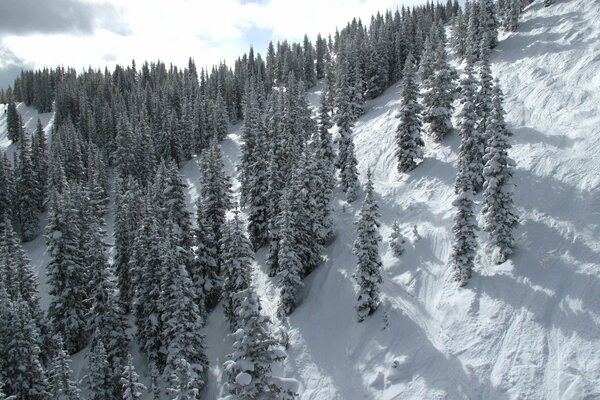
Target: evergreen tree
column 132, row 388
column 397, row 240
column 366, row 249
column 465, row 241
column 471, row 148
column 24, row 373
column 100, row 378
column 439, row 98
column 290, row 264
column 12, row 121
column 61, row 386
column 39, row 161
column 499, row 214
column 66, row 272
column 154, row 377
column 258, row 212
column 489, row 23
column 237, row 268
column 251, row 131
column 214, row 200
column 346, row 161
column 255, row 350
column 408, row 135
column 183, row 385
column 7, row 189
column 180, row 315
column 27, row 191
column 483, row 99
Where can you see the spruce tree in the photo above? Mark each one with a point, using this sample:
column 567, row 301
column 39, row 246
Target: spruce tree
column 471, row 148
column 258, row 212
column 27, row 191
column 7, row 188
column 61, row 386
column 183, row 385
column 39, row 161
column 255, row 351
column 237, row 268
column 366, row 249
column 180, row 315
column 409, row 142
column 439, row 98
column 397, row 240
column 24, row 373
column 132, row 388
column 12, row 121
column 66, row 272
column 499, row 214
column 465, row 241
column 483, row 99
column 100, row 377
column 290, row 264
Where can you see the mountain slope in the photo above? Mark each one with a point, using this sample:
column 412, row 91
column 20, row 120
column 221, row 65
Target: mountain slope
column 526, row 329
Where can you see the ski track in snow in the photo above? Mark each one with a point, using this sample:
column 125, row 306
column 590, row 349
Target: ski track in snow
column 526, row 329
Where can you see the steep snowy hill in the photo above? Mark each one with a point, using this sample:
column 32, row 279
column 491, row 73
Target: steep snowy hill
column 529, row 328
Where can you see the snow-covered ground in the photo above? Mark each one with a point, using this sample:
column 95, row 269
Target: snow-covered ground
column 529, row 328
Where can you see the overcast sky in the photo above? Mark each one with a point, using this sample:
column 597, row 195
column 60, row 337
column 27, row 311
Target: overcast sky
column 98, row 33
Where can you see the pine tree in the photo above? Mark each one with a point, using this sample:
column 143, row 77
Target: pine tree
column 488, row 23
column 155, row 387
column 290, row 264
column 366, row 249
column 252, row 129
column 255, row 350
column 408, row 135
column 61, row 386
column 499, row 214
column 214, row 200
column 24, row 373
column 426, row 64
column 27, row 191
column 439, row 98
column 237, row 268
column 483, row 99
column 471, row 148
column 39, row 161
column 258, row 212
column 346, row 161
column 100, row 378
column 465, row 241
column 397, row 240
column 12, row 122
column 7, row 189
column 132, row 388
column 180, row 315
column 66, row 272
column 183, row 384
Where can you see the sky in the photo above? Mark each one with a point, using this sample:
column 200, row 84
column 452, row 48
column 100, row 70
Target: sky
column 99, row 33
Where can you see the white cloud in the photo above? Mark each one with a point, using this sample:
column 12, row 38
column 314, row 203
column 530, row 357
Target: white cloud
column 172, row 31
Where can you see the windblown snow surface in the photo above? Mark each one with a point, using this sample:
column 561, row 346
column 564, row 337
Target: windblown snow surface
column 527, row 329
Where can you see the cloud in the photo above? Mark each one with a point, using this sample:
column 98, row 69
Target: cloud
column 21, row 17
column 10, row 66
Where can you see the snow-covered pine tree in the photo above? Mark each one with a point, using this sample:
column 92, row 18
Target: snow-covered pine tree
column 489, row 23
column 61, row 386
column 66, row 272
column 39, row 161
column 439, row 98
column 459, row 35
column 147, row 268
column 252, row 128
column 258, row 212
column 27, row 190
column 397, row 240
column 132, row 387
column 183, row 386
column 24, row 373
column 237, row 268
column 511, row 19
column 366, row 249
column 290, row 264
column 215, row 200
column 180, row 315
column 471, row 148
column 154, row 385
column 12, row 121
column 465, row 242
column 7, row 188
column 127, row 218
column 346, row 161
column 499, row 214
column 100, row 376
column 426, row 64
column 409, row 142
column 483, row 97
column 106, row 320
column 255, row 350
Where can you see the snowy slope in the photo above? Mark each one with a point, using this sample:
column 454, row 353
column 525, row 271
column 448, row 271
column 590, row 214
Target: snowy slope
column 525, row 329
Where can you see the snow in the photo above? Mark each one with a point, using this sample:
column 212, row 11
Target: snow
column 243, row 378
column 529, row 328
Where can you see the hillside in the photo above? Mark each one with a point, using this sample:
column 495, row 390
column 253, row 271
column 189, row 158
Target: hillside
column 529, row 328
